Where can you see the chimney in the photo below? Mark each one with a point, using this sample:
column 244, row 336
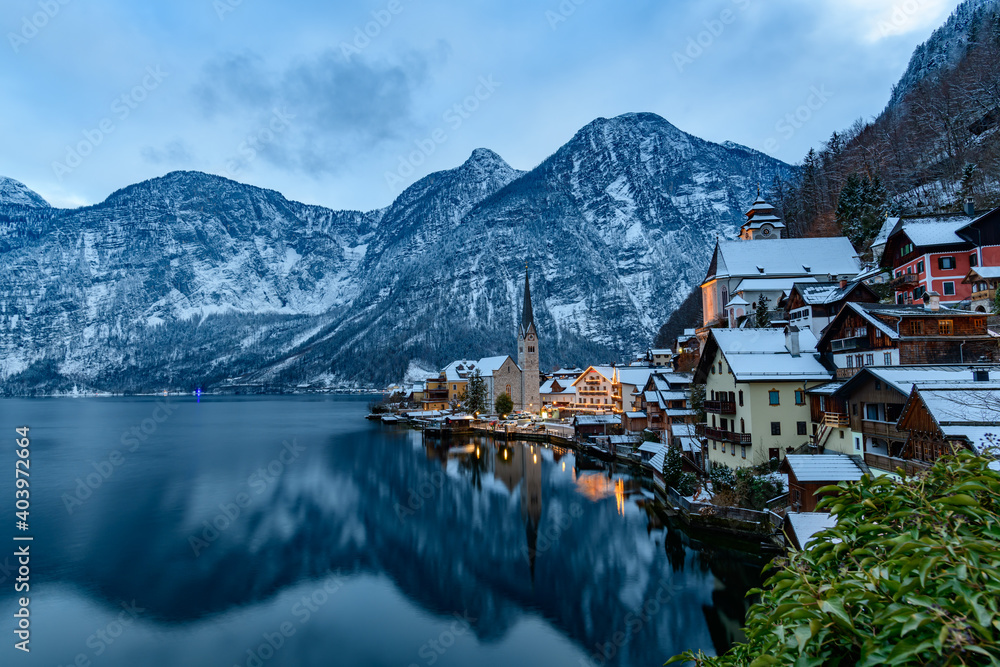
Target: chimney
column 792, row 340
column 932, row 301
column 843, row 283
column 981, row 375
column 970, row 207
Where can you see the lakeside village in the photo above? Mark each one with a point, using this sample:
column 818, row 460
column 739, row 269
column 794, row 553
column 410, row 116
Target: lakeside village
column 809, row 369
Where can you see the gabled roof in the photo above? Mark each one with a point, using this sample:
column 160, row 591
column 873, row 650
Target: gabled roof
column 784, row 258
column 969, row 412
column 806, row 525
column 825, row 293
column 902, row 378
column 986, row 272
column 927, row 232
column 607, row 371
column 885, row 231
column 870, row 311
column 489, row 365
column 459, row 371
column 634, row 376
column 592, row 420
column 757, row 355
column 823, row 467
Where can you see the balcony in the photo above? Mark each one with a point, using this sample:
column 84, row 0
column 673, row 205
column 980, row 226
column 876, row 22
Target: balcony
column 882, row 430
column 891, row 464
column 905, row 281
column 592, row 392
column 727, row 436
column 436, row 395
column 846, row 373
column 848, row 344
column 721, row 407
column 836, row 420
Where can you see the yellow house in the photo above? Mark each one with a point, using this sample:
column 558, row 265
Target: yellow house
column 755, row 393
column 596, row 390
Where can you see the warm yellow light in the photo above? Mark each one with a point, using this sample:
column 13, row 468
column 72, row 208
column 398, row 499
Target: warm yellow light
column 477, row 452
column 535, row 458
column 564, row 466
column 505, row 455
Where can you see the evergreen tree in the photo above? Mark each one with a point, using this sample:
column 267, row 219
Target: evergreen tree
column 862, row 208
column 761, row 315
column 475, row 393
column 504, row 404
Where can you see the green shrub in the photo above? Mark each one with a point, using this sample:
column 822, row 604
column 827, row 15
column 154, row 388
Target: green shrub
column 909, row 576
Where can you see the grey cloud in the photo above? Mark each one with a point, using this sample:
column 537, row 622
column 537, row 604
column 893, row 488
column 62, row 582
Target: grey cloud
column 338, row 107
column 174, row 152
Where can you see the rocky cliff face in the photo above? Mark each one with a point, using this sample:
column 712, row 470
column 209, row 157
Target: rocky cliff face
column 194, row 280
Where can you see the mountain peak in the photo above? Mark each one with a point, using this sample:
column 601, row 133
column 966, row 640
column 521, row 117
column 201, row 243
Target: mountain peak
column 16, row 192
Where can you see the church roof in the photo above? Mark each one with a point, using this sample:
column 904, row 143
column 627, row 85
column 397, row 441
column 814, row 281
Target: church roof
column 527, row 314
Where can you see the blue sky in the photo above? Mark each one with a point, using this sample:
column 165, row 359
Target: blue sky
column 345, row 104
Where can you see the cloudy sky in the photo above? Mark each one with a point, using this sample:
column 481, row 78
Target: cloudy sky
column 345, row 104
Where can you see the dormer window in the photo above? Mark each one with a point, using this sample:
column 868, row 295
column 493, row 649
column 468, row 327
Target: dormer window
column 808, row 269
column 760, row 269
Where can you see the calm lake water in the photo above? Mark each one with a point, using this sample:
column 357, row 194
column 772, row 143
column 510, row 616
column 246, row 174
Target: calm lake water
column 290, row 531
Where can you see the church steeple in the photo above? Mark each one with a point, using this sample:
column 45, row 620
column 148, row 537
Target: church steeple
column 527, row 314
column 527, row 353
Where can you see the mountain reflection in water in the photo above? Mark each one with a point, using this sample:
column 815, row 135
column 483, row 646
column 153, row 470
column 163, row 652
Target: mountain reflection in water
column 540, row 547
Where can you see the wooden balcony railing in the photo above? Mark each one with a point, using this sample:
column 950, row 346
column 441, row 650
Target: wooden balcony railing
column 891, row 464
column 727, row 436
column 836, row 419
column 881, row 429
column 905, row 280
column 721, row 407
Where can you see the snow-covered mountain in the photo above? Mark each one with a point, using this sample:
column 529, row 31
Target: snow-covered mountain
column 17, row 193
column 946, row 46
column 194, row 280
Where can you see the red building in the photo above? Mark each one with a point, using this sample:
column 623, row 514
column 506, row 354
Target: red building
column 935, row 254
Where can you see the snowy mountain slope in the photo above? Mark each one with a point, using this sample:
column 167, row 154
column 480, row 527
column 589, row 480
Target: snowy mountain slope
column 194, row 280
column 16, row 192
column 945, row 47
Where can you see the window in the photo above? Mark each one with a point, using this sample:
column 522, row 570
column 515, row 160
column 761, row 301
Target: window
column 887, row 358
column 531, row 348
column 857, row 443
column 920, row 266
column 871, row 412
column 713, row 444
column 878, row 385
column 743, row 451
column 906, row 250
column 949, row 288
column 854, row 409
column 899, row 274
column 946, row 263
column 724, row 424
column 917, row 327
column 775, row 428
column 720, row 368
column 919, row 291
column 900, row 298
column 800, row 428
column 945, row 327
column 723, row 447
column 773, row 397
column 860, row 359
column 841, row 431
column 713, row 421
column 508, row 391
column 743, row 428
column 800, row 397
column 870, row 359
column 733, row 450
column 454, row 387
column 850, row 361
column 973, row 260
column 741, row 398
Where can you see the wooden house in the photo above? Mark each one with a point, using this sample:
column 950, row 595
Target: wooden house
column 807, row 473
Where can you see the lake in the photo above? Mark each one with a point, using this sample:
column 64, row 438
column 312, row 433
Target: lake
column 291, row 531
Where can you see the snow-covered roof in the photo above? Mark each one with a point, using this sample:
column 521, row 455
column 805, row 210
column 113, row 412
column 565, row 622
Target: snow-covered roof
column 987, row 272
column 824, row 467
column 624, row 439
column 651, row 447
column 634, row 376
column 902, row 378
column 825, row 389
column 806, row 525
column 869, row 312
column 737, row 300
column 965, row 405
column 787, row 257
column 883, row 234
column 489, row 365
column 934, row 231
column 760, row 354
column 661, row 351
column 689, row 444
column 636, row 415
column 817, row 294
column 592, row 420
column 459, row 371
column 607, row 371
column 769, row 284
